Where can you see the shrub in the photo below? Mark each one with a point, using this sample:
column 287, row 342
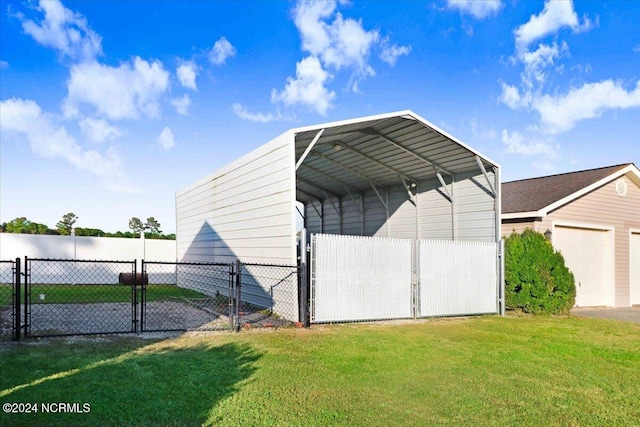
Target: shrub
column 536, row 279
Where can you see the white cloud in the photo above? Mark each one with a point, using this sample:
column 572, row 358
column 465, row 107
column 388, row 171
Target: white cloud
column 636, row 48
column 3, row 65
column 221, row 50
column 51, row 140
column 308, row 87
column 391, row 53
column 166, row 139
column 343, row 43
column 555, row 15
column 516, row 143
column 511, row 97
column 187, row 72
column 537, row 62
column 479, row 9
column 64, row 30
column 182, row 104
column 99, row 130
column 127, row 91
column 243, row 113
column 561, row 112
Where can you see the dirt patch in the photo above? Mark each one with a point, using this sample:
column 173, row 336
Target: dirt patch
column 108, row 318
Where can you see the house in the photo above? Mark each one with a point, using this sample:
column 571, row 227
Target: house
column 380, row 185
column 593, row 218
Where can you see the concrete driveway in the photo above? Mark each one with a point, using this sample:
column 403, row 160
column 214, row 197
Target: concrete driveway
column 627, row 314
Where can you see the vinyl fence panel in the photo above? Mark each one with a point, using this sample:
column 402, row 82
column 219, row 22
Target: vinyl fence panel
column 360, row 278
column 457, row 278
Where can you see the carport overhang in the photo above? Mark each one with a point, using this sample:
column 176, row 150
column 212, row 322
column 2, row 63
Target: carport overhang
column 347, row 158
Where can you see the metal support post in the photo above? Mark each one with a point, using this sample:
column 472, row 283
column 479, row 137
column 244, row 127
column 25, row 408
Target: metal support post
column 16, row 302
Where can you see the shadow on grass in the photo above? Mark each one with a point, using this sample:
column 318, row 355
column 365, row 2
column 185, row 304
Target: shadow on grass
column 174, row 382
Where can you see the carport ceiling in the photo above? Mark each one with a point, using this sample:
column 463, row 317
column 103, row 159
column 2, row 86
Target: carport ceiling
column 390, row 150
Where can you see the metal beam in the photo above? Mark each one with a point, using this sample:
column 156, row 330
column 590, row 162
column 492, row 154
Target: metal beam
column 347, row 168
column 405, row 149
column 338, row 211
column 412, row 197
column 444, row 185
column 317, row 187
column 379, row 196
column 319, row 172
column 373, row 159
column 309, row 148
column 309, row 195
column 314, row 208
column 484, row 172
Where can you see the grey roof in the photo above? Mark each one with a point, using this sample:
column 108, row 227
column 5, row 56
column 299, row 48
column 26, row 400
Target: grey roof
column 533, row 194
column 349, row 155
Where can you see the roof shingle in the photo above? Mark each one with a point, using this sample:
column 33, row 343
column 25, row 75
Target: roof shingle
column 533, row 194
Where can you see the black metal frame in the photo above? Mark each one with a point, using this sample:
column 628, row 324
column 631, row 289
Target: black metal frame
column 26, row 326
column 143, row 292
column 22, row 305
column 14, row 300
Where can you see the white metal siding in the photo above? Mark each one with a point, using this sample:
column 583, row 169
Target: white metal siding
column 244, row 211
column 475, row 208
column 360, row 278
column 458, row 278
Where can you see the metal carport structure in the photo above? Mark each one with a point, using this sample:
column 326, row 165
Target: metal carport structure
column 392, row 175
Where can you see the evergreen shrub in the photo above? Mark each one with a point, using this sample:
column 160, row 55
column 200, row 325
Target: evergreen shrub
column 536, row 278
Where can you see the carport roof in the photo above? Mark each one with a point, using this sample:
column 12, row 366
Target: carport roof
column 400, row 148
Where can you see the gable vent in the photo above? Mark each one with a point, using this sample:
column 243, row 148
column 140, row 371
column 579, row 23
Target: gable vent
column 621, row 187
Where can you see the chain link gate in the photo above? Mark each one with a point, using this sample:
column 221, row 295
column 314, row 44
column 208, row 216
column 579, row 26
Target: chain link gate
column 79, row 297
column 186, row 296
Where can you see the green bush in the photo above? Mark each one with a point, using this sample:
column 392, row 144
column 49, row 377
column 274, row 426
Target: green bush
column 536, row 279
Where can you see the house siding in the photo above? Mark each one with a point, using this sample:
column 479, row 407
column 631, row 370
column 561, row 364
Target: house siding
column 605, row 207
column 602, row 207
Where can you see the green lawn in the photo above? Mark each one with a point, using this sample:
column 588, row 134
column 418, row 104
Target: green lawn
column 66, row 294
column 518, row 370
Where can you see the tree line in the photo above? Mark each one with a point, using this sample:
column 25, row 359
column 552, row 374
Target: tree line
column 64, row 227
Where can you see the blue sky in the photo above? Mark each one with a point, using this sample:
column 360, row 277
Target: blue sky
column 107, row 108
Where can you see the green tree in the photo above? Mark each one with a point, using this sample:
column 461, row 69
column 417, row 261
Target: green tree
column 136, row 225
column 22, row 225
column 93, row 232
column 153, row 226
column 65, row 225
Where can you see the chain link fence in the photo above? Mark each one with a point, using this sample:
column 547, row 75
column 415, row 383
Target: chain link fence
column 77, row 297
column 7, row 302
column 267, row 295
column 186, row 296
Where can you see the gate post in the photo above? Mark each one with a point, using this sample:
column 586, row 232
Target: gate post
column 238, row 297
column 27, row 298
column 16, row 302
column 134, row 301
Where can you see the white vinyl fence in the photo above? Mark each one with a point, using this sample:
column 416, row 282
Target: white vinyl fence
column 360, row 278
column 14, row 246
column 458, row 278
column 365, row 278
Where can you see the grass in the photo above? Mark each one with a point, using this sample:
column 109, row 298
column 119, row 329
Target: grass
column 522, row 370
column 80, row 293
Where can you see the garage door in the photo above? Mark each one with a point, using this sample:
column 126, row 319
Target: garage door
column 634, row 267
column 589, row 255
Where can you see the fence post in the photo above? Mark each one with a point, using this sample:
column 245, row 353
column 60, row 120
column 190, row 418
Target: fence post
column 27, row 297
column 238, row 297
column 134, row 300
column 16, row 302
